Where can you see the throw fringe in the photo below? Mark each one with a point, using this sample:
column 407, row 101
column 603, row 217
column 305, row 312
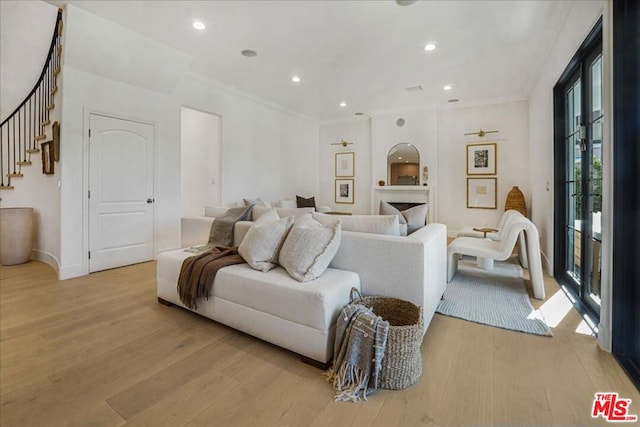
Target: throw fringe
column 350, row 382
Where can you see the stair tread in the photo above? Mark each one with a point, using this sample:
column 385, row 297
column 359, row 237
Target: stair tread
column 14, row 175
column 40, row 137
column 46, row 122
column 51, row 106
column 6, row 187
column 33, row 150
column 25, row 163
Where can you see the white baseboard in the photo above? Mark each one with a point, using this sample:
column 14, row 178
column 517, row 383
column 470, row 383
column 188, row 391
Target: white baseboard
column 47, row 258
column 546, row 264
column 604, row 337
column 71, row 271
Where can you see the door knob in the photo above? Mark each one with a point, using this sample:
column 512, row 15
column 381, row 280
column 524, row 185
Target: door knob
column 151, row 200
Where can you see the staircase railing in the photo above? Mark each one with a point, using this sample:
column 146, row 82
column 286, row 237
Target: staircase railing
column 23, row 130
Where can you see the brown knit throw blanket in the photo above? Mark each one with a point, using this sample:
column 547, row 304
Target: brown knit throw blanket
column 198, row 272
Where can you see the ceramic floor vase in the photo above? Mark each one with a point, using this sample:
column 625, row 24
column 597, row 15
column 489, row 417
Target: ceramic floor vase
column 17, row 231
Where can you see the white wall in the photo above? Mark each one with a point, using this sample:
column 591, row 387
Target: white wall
column 358, row 132
column 512, row 121
column 266, row 151
column 200, row 159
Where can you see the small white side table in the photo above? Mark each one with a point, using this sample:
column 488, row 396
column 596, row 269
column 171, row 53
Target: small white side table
column 481, row 262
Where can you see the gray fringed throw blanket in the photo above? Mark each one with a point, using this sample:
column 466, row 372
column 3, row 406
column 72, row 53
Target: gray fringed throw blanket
column 198, row 272
column 361, row 338
column 221, row 233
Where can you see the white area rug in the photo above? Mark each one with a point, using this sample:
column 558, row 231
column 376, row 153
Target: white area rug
column 495, row 297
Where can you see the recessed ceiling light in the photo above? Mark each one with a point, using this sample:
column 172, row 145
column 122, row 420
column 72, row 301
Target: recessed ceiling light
column 399, row 157
column 405, row 2
column 448, row 87
column 295, row 79
column 453, row 100
column 343, row 104
column 430, row 46
column 416, row 88
column 198, row 25
column 249, row 53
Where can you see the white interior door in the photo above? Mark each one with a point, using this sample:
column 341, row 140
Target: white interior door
column 120, row 192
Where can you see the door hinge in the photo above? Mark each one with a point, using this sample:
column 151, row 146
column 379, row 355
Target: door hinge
column 89, row 133
column 89, row 254
column 88, row 194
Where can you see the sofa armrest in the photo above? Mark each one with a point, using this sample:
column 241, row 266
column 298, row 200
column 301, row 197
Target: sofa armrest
column 411, row 268
column 195, row 230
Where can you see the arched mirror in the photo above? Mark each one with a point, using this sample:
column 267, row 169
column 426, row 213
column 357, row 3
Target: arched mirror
column 403, row 165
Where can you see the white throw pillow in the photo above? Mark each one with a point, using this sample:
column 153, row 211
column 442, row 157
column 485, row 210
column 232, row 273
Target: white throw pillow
column 261, row 245
column 309, row 248
column 374, row 224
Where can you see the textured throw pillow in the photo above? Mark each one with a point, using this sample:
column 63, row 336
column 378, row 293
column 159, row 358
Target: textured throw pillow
column 261, row 246
column 374, row 224
column 306, row 203
column 309, row 248
column 257, row 202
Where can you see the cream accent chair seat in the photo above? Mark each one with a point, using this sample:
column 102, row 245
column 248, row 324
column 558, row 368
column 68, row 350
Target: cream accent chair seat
column 505, row 220
column 500, row 250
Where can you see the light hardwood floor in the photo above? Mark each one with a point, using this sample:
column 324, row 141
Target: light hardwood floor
column 100, row 351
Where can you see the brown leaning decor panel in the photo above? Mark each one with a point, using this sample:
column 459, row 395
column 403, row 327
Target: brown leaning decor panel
column 47, row 157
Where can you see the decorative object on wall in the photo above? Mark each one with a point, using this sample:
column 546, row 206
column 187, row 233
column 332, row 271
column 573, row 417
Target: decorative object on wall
column 400, row 122
column 344, row 191
column 481, row 132
column 342, row 142
column 56, row 141
column 345, row 164
column 425, row 175
column 515, row 200
column 47, row 157
column 381, row 183
column 482, row 159
column 481, row 193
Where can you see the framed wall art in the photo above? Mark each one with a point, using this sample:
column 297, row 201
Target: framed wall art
column 344, row 191
column 482, row 159
column 47, row 157
column 481, row 193
column 345, row 164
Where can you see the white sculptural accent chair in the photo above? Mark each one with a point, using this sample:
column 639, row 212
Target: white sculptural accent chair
column 505, row 220
column 502, row 249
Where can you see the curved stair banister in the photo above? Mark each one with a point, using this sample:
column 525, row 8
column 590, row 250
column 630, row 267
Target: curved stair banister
column 23, row 130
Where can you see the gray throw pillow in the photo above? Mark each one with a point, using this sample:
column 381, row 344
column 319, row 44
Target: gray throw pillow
column 387, row 209
column 309, row 248
column 261, row 245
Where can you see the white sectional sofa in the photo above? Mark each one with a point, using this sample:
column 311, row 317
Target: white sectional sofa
column 301, row 316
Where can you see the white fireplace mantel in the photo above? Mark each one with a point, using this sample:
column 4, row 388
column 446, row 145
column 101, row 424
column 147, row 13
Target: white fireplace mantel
column 405, row 194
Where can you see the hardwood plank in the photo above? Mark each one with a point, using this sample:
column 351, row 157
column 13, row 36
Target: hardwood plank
column 100, row 350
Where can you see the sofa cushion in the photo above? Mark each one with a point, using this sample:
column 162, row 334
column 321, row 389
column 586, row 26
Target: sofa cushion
column 376, row 224
column 258, row 211
column 302, row 202
column 261, row 245
column 315, row 303
column 310, row 247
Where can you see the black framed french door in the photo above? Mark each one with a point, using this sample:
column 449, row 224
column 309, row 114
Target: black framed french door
column 578, row 143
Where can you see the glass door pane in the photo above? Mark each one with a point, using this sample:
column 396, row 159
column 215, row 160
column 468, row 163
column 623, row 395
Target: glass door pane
column 573, row 181
column 594, row 190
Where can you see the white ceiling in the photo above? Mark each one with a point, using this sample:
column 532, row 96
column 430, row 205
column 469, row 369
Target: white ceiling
column 362, row 52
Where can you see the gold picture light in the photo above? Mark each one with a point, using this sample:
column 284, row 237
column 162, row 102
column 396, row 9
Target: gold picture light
column 342, row 142
column 481, row 132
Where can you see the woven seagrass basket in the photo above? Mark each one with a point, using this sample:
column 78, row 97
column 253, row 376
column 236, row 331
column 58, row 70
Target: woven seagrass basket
column 402, row 363
column 515, row 200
